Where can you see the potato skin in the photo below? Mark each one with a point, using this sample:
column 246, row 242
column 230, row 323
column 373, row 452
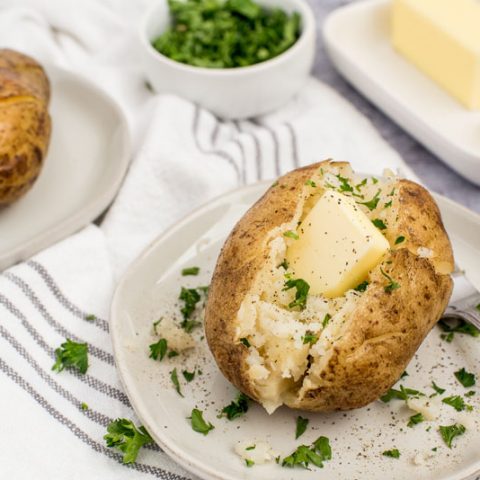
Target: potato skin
column 386, row 328
column 25, row 124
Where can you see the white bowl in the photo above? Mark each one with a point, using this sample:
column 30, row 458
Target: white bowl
column 234, row 92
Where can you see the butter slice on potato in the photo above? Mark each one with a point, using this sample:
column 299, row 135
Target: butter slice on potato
column 337, row 246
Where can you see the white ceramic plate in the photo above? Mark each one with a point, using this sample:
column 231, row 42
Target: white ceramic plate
column 357, row 37
column 88, row 156
column 149, row 290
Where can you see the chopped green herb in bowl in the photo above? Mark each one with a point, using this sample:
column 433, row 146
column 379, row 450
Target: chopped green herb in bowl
column 236, row 58
column 226, row 34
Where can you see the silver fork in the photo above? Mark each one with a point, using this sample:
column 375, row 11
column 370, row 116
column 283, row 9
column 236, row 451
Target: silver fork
column 465, row 302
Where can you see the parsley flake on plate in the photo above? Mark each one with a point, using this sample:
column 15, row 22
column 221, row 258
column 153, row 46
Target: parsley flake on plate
column 190, row 297
column 465, row 378
column 399, row 240
column 302, row 288
column 450, row 327
column 158, row 350
column 71, row 354
column 123, row 435
column 198, row 422
column 190, row 271
column 415, row 419
column 301, row 426
column 176, row 383
column 438, row 389
column 90, row 317
column 455, row 401
column 236, row 408
column 245, row 342
column 449, row 432
column 403, row 394
column 84, row 406
column 394, row 453
column 304, row 455
column 189, row 376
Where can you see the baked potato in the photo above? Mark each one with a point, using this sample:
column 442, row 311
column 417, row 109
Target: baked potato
column 338, row 351
column 25, row 124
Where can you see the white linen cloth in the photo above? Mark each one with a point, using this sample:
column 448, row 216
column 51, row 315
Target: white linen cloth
column 183, row 156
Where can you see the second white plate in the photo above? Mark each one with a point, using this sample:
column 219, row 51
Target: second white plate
column 357, row 37
column 150, row 289
column 87, row 159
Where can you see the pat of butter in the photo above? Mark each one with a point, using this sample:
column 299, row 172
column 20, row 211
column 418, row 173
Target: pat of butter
column 442, row 39
column 337, row 246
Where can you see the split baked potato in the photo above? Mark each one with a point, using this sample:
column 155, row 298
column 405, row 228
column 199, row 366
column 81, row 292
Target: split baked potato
column 25, row 124
column 336, row 351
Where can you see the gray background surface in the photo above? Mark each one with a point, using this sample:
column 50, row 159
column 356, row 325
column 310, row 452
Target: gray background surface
column 436, row 175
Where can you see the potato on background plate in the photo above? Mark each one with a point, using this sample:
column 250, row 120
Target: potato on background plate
column 326, row 287
column 25, row 124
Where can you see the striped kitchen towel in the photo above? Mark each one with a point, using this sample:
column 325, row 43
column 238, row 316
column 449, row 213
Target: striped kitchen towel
column 53, row 423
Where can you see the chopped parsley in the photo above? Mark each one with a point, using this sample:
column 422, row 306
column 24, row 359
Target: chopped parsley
column 236, row 409
column 84, row 406
column 361, row 287
column 361, row 184
column 302, row 288
column 302, row 424
column 465, row 378
column 310, row 338
column 245, row 342
column 471, row 393
column 249, row 463
column 304, row 455
column 399, row 240
column 372, row 204
column 392, row 285
column 291, row 234
column 404, row 374
column 449, row 432
column 90, row 317
column 457, row 326
column 415, row 419
column 188, row 376
column 455, row 401
column 402, row 394
column 380, row 224
column 172, row 353
column 198, row 423
column 344, row 184
column 226, row 34
column 311, row 183
column 158, row 350
column 191, row 297
column 71, row 354
column 123, row 435
column 438, row 389
column 251, row 447
column 176, row 383
column 394, row 453
column 388, row 204
column 326, row 320
column 190, row 271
